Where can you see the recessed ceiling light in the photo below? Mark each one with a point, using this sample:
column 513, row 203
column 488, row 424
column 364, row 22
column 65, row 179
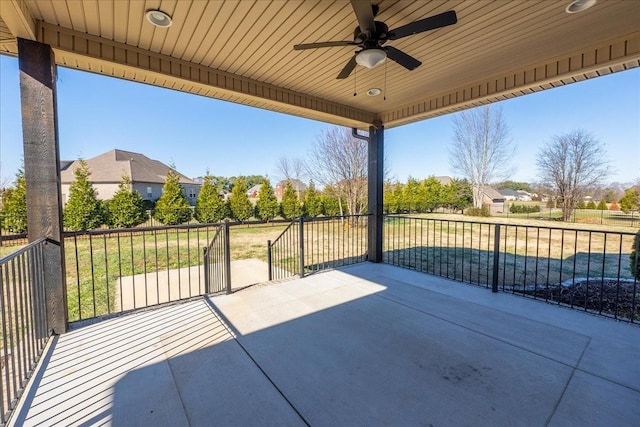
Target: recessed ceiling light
column 374, row 91
column 579, row 5
column 159, row 18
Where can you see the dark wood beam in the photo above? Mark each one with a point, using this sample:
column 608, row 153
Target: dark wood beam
column 42, row 169
column 375, row 191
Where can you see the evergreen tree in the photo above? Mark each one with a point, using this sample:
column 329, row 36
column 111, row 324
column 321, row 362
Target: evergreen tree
column 14, row 205
column 126, row 209
column 290, row 207
column 431, row 194
column 459, row 194
column 330, row 204
column 630, row 201
column 312, row 201
column 239, row 203
column 602, row 205
column 591, row 204
column 410, row 195
column 267, row 206
column 83, row 210
column 210, row 207
column 172, row 207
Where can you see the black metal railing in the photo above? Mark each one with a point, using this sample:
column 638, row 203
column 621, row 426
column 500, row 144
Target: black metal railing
column 217, row 262
column 24, row 320
column 585, row 269
column 314, row 244
column 111, row 271
column 615, row 218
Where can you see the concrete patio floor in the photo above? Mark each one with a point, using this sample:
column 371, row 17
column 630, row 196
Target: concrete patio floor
column 370, row 344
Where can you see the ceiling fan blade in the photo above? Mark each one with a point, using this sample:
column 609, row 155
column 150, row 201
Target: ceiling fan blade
column 322, row 44
column 364, row 14
column 347, row 68
column 407, row 61
column 426, row 24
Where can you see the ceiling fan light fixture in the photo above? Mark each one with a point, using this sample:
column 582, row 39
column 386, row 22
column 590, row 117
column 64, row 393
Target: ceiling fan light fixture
column 371, row 58
column 577, row 6
column 374, row 91
column 159, row 18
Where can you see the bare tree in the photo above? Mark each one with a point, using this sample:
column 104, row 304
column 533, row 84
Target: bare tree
column 570, row 164
column 291, row 169
column 340, row 161
column 481, row 149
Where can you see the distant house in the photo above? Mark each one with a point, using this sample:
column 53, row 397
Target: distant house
column 298, row 186
column 510, row 194
column 492, row 198
column 253, row 192
column 444, row 180
column 147, row 175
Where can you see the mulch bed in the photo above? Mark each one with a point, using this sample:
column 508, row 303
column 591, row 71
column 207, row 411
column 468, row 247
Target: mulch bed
column 611, row 297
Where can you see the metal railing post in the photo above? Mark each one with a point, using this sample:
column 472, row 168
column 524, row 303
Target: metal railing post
column 227, row 258
column 496, row 258
column 269, row 260
column 207, row 278
column 301, row 244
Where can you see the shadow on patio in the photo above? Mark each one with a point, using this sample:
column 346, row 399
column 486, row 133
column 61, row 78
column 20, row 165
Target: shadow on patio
column 369, row 344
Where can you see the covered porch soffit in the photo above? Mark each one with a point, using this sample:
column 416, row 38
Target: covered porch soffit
column 242, row 51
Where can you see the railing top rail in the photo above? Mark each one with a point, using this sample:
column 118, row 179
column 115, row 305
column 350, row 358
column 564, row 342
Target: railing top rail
column 22, row 250
column 283, row 232
column 544, row 227
column 164, row 227
column 215, row 236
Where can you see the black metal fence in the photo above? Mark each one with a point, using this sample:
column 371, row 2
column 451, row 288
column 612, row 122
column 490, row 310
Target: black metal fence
column 24, row 321
column 110, row 271
column 584, row 269
column 579, row 216
column 314, row 244
column 217, row 262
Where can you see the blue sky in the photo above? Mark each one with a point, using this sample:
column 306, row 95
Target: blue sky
column 97, row 114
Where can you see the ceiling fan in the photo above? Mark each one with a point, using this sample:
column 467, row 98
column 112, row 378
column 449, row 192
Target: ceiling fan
column 371, row 35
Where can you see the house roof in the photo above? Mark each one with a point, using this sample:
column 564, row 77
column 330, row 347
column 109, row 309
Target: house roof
column 492, row 193
column 109, row 167
column 254, row 189
column 508, row 192
column 296, row 183
column 444, row 180
column 242, row 51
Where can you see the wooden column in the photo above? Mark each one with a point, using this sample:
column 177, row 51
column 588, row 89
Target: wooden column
column 375, row 190
column 42, row 169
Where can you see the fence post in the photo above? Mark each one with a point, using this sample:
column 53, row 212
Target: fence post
column 496, row 258
column 207, row 279
column 301, row 244
column 269, row 260
column 227, row 258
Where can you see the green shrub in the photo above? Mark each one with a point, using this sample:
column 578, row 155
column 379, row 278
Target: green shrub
column 483, row 211
column 515, row 209
column 602, row 205
column 591, row 205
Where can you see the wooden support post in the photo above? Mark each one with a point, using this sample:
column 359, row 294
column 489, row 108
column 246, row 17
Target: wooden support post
column 375, row 188
column 42, row 170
